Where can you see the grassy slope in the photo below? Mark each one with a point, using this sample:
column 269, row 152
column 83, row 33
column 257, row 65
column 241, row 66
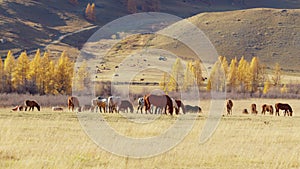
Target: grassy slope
column 55, row 140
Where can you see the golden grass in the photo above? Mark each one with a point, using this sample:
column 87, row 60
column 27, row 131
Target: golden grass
column 49, row 139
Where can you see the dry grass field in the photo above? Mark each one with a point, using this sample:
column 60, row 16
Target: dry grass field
column 49, row 139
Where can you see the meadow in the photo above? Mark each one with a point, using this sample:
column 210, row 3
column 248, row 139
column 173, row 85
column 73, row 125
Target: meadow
column 49, row 139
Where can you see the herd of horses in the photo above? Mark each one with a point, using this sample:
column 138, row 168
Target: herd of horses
column 151, row 103
column 162, row 104
column 288, row 111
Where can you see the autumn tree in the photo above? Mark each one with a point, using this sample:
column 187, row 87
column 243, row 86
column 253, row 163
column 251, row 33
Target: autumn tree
column 189, row 76
column 21, row 73
column 254, row 74
column 64, row 74
column 82, row 78
column 232, row 78
column 177, row 76
column 9, row 68
column 90, row 12
column 217, row 78
column 1, row 76
column 36, row 73
column 276, row 78
column 267, row 86
column 164, row 82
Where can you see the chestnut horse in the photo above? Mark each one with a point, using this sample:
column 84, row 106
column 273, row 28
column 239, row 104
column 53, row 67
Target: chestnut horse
column 267, row 108
column 253, row 109
column 31, row 104
column 73, row 102
column 161, row 101
column 283, row 106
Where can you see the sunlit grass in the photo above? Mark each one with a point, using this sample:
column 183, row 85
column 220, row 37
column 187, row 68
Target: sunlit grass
column 49, row 139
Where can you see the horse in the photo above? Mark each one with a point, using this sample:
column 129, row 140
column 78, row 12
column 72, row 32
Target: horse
column 283, row 106
column 192, row 109
column 179, row 105
column 141, row 104
column 245, row 111
column 267, row 108
column 160, row 101
column 229, row 106
column 100, row 103
column 253, row 109
column 73, row 102
column 125, row 105
column 31, row 104
column 114, row 103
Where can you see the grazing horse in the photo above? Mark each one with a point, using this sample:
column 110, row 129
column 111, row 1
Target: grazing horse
column 31, row 104
column 267, row 108
column 114, row 103
column 179, row 105
column 141, row 104
column 283, row 106
column 253, row 109
column 73, row 102
column 192, row 109
column 229, row 106
column 161, row 101
column 125, row 105
column 100, row 103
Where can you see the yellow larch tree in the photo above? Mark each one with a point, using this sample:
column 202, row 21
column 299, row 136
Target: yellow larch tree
column 64, row 74
column 36, row 74
column 197, row 71
column 82, row 78
column 189, row 76
column 277, row 76
column 1, row 76
column 177, row 76
column 21, row 73
column 254, row 74
column 217, row 78
column 9, row 68
column 164, row 82
column 232, row 75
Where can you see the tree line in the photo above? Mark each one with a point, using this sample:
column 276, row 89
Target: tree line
column 237, row 76
column 41, row 75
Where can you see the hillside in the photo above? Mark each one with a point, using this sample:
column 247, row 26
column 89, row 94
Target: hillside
column 28, row 24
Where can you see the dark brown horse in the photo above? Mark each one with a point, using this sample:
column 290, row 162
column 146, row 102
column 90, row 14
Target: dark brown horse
column 267, row 108
column 253, row 109
column 283, row 106
column 161, row 101
column 31, row 104
column 179, row 105
column 229, row 106
column 73, row 102
column 125, row 105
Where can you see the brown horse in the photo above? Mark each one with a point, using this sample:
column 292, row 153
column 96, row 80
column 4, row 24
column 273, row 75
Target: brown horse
column 229, row 106
column 31, row 104
column 283, row 106
column 161, row 101
column 267, row 108
column 125, row 105
column 73, row 102
column 179, row 105
column 253, row 109
column 100, row 103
